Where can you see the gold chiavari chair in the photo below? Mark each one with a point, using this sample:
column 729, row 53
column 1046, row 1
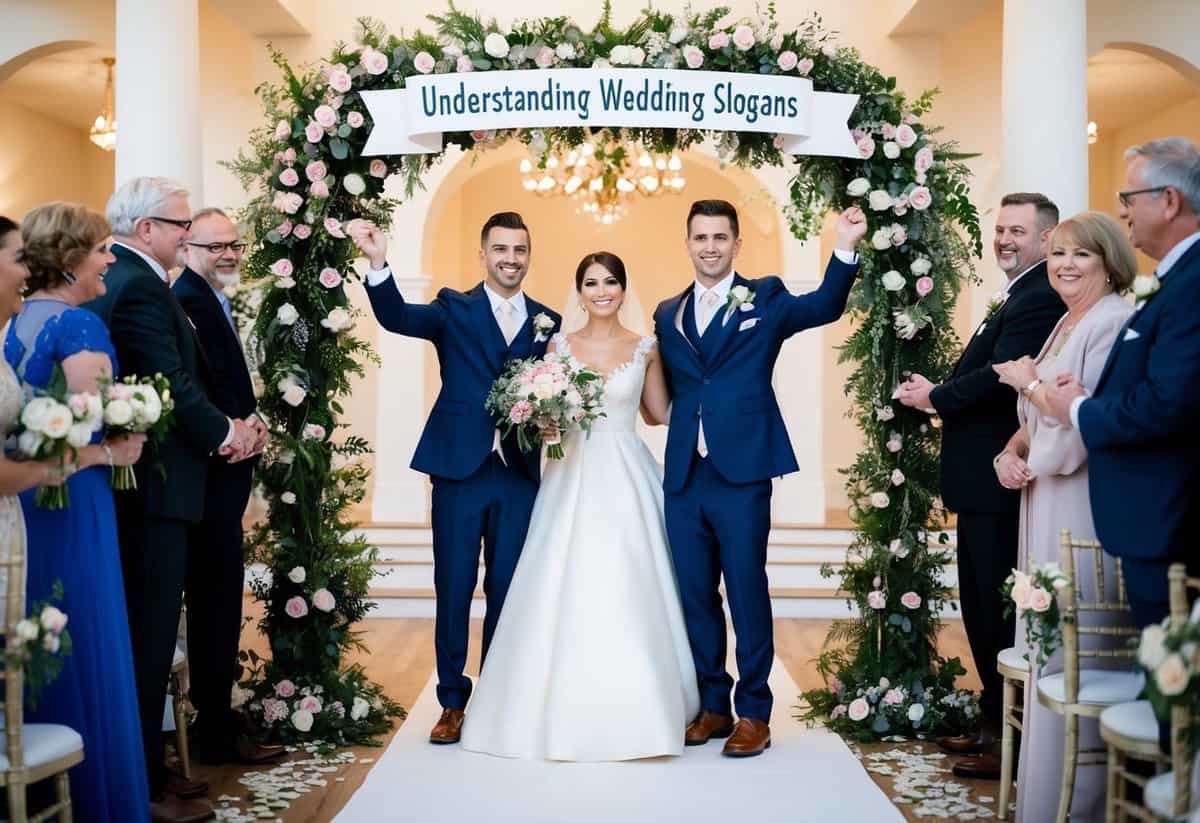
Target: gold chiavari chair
column 1014, row 670
column 1079, row 691
column 34, row 752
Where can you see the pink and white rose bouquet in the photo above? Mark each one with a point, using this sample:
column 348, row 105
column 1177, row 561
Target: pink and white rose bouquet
column 552, row 393
column 55, row 424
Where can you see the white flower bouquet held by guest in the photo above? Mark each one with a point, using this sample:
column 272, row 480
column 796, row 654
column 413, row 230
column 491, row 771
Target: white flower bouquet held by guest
column 542, row 399
column 137, row 405
column 56, row 424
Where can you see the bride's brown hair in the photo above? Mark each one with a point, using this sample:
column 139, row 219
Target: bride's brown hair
column 614, row 264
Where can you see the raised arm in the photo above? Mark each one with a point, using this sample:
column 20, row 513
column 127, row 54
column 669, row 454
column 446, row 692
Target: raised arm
column 392, row 311
column 656, row 397
column 828, row 302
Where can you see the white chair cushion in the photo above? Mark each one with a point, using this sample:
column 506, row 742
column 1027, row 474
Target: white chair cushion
column 1160, row 794
column 1135, row 720
column 1097, row 687
column 1012, row 658
column 44, row 743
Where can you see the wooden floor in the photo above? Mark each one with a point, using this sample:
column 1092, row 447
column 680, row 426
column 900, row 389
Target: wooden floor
column 401, row 658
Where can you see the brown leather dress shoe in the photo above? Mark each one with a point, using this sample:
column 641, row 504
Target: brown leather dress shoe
column 964, row 744
column 184, row 787
column 979, row 767
column 448, row 729
column 706, row 726
column 172, row 809
column 248, row 752
column 750, row 738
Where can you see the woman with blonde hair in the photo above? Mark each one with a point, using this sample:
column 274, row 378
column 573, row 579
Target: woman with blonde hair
column 66, row 254
column 1091, row 264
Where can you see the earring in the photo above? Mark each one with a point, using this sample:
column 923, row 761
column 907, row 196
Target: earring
column 70, row 278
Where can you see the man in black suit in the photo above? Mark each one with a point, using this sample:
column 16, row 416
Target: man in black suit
column 979, row 415
column 215, row 567
column 150, row 220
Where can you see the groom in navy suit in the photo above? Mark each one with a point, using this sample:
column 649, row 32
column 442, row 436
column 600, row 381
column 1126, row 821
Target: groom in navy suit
column 483, row 485
column 1140, row 425
column 719, row 340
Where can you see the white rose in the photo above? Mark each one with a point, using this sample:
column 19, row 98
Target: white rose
column 58, row 422
column 880, row 500
column 27, row 630
column 619, row 56
column 1172, row 675
column 337, row 320
column 882, row 239
column 30, row 441
column 891, row 150
column 879, row 200
column 359, row 709
column 51, row 643
column 286, row 315
column 95, row 410
column 573, row 399
column 79, row 435
column 637, row 56
column 678, row 33
column 565, row 51
column 298, row 575
column 34, row 415
column 921, row 266
column 858, row 187
column 915, row 713
column 496, row 46
column 288, row 497
column 893, row 280
column 1145, row 285
column 1151, row 650
column 322, row 600
column 354, row 184
column 302, row 720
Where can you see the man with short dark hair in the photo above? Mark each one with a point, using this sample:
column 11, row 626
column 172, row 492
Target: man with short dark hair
column 483, row 485
column 979, row 415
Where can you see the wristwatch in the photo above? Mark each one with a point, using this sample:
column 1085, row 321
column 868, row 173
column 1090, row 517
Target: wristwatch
column 1032, row 387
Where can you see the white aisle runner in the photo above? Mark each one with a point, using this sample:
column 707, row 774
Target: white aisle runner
column 807, row 776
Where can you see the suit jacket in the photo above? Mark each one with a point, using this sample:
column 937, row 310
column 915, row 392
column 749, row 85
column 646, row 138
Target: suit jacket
column 724, row 376
column 152, row 335
column 230, row 387
column 979, row 413
column 459, row 433
column 1140, row 426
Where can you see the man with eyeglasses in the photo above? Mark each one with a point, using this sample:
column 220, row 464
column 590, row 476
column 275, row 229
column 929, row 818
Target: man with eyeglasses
column 151, row 219
column 1140, row 424
column 215, row 568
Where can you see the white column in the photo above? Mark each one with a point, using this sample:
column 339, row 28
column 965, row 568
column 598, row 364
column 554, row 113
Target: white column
column 1044, row 100
column 158, row 92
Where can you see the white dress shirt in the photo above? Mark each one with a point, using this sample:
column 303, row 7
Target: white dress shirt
column 1161, row 270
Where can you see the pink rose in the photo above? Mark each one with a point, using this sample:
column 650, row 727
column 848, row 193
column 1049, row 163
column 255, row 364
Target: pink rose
column 905, row 135
column 310, row 703
column 893, row 697
column 777, row 142
column 889, row 131
column 866, row 147
column 1022, row 592
column 319, row 189
column 910, row 600
column 288, row 177
column 378, row 168
column 302, row 231
column 693, row 57
column 544, row 58
column 521, row 411
column 330, row 278
column 354, row 119
column 895, row 442
column 920, row 198
column 837, row 712
column 334, row 228
column 315, row 171
column 787, row 61
column 876, row 599
column 313, row 133
column 314, row 431
column 923, row 162
column 322, row 599
column 464, row 64
column 375, row 62
column 285, row 688
column 859, row 709
column 718, row 41
column 424, row 62
column 1039, row 599
column 282, row 267
column 743, row 38
column 924, row 286
column 897, row 477
column 325, row 116
column 283, row 130
column 804, row 67
column 284, row 228
column 339, row 80
column 899, row 235
column 296, row 607
column 289, row 156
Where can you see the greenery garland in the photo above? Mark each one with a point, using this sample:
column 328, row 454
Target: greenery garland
column 309, row 179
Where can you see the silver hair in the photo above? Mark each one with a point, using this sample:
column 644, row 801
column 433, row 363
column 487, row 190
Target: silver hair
column 1171, row 161
column 209, row 211
column 138, row 199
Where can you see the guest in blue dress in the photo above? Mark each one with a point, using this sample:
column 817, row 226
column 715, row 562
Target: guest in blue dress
column 66, row 253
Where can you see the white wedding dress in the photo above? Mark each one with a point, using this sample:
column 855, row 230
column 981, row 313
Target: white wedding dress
column 590, row 659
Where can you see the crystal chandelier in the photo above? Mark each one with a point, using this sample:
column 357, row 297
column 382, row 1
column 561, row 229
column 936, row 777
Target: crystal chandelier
column 104, row 131
column 603, row 174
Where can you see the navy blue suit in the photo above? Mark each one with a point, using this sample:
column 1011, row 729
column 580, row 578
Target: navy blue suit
column 476, row 496
column 1143, row 445
column 718, row 508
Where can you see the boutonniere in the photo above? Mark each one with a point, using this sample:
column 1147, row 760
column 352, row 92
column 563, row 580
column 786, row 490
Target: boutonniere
column 542, row 324
column 740, row 299
column 1145, row 286
column 995, row 304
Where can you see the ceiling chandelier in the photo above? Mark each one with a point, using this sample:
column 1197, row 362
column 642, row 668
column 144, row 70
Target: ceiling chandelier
column 104, row 130
column 603, row 174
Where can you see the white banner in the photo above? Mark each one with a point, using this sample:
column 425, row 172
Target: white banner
column 411, row 120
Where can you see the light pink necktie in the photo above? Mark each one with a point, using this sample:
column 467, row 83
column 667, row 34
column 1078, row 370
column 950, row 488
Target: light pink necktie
column 708, row 308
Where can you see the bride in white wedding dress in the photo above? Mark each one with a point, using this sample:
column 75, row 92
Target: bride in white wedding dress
column 590, row 659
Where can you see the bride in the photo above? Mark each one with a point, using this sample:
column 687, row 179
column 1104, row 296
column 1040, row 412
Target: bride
column 590, row 658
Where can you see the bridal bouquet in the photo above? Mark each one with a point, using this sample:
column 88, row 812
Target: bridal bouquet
column 57, row 423
column 1033, row 596
column 137, row 405
column 536, row 395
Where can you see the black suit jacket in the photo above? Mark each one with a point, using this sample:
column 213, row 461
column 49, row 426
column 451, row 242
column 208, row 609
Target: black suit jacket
column 230, row 388
column 979, row 413
column 152, row 334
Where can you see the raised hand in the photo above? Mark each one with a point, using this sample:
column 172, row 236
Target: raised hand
column 851, row 228
column 370, row 241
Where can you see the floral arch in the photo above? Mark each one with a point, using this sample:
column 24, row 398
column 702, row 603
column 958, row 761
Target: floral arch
column 308, row 177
